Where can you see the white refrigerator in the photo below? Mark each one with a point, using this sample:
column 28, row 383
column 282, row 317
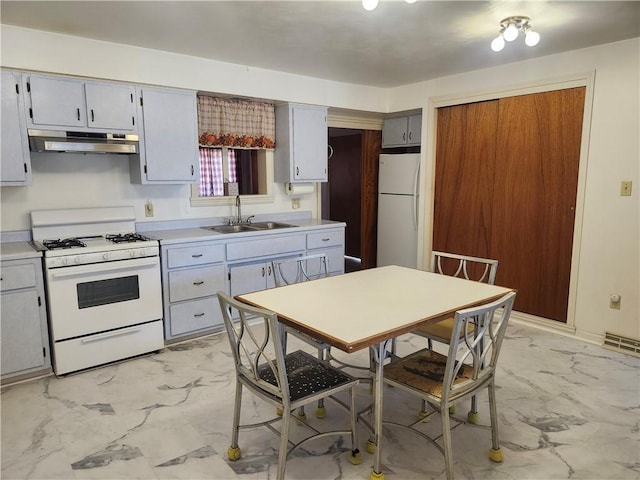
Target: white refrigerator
column 398, row 209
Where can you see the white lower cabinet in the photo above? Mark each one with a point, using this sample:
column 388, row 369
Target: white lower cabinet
column 23, row 320
column 192, row 274
column 331, row 243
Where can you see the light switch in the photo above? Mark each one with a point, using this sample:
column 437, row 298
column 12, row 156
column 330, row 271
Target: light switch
column 625, row 188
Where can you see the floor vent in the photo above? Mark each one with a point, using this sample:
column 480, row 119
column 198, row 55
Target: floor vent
column 621, row 344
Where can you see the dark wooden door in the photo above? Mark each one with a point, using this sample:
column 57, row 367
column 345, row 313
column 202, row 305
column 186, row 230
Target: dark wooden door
column 506, row 183
column 350, row 195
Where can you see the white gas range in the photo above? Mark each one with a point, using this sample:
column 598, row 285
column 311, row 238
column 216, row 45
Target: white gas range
column 103, row 286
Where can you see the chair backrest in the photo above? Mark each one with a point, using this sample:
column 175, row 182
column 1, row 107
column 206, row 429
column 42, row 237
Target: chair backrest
column 464, row 266
column 255, row 339
column 475, row 345
column 300, row 269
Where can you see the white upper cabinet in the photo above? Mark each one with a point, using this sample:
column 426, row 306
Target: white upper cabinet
column 168, row 137
column 15, row 167
column 301, row 143
column 60, row 103
column 402, row 131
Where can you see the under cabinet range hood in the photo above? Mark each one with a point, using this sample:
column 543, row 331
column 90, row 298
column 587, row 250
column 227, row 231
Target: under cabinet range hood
column 82, row 142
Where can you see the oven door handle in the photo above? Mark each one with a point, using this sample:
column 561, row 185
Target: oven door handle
column 94, row 268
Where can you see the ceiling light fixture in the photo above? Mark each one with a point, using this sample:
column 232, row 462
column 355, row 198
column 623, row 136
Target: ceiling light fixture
column 372, row 4
column 510, row 28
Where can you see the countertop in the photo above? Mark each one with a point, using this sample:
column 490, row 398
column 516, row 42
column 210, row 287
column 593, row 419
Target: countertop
column 17, row 251
column 199, row 234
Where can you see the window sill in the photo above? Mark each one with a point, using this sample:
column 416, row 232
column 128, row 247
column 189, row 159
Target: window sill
column 220, row 200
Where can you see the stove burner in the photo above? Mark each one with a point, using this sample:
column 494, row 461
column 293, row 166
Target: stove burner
column 65, row 243
column 127, row 238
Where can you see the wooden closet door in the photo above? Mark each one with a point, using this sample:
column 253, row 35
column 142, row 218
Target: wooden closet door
column 537, row 158
column 505, row 188
column 465, row 164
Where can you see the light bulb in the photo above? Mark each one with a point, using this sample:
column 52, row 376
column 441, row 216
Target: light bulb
column 497, row 44
column 532, row 38
column 369, row 4
column 511, row 32
column 410, row 1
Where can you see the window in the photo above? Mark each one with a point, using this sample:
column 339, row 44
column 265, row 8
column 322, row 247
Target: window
column 212, row 166
column 236, row 150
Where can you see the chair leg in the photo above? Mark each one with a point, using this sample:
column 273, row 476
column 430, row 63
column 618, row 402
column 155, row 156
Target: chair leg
column 356, row 456
column 284, row 444
column 446, row 439
column 473, row 416
column 234, row 450
column 496, row 452
column 321, row 411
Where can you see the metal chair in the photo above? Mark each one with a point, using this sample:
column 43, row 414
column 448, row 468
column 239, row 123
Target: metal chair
column 468, row 368
column 303, row 269
column 284, row 381
column 462, row 266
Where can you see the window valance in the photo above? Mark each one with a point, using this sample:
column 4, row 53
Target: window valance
column 238, row 123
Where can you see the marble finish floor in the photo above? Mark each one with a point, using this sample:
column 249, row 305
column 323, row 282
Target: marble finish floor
column 567, row 410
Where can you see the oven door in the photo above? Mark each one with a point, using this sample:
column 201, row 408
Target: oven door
column 87, row 299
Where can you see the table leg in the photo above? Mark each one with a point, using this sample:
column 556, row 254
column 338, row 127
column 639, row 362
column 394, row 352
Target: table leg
column 380, row 353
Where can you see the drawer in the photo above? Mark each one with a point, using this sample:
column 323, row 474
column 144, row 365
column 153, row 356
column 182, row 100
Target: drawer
column 195, row 255
column 196, row 282
column 196, row 315
column 328, row 238
column 265, row 247
column 17, row 276
column 92, row 350
column 335, row 258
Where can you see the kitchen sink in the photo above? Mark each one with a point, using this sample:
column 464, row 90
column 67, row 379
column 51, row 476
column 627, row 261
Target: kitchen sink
column 231, row 228
column 270, row 225
column 248, row 227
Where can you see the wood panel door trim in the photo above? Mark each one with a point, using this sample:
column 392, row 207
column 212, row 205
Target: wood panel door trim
column 582, row 79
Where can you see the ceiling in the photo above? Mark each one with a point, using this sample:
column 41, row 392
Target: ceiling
column 396, row 44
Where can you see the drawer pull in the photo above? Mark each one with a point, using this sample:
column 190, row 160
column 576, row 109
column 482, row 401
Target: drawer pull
column 326, row 239
column 196, row 256
column 198, row 283
column 199, row 314
column 105, row 336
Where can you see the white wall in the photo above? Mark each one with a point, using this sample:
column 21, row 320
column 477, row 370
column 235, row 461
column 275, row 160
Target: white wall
column 608, row 253
column 61, row 181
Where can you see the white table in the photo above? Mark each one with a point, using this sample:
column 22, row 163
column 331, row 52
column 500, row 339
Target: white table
column 369, row 308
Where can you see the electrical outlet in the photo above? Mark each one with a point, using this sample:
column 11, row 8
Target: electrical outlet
column 614, row 301
column 295, row 203
column 148, row 209
column 625, row 188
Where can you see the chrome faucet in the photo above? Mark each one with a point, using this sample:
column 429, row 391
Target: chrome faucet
column 239, row 207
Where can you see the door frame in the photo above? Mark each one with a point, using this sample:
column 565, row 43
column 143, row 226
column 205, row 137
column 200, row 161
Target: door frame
column 429, row 157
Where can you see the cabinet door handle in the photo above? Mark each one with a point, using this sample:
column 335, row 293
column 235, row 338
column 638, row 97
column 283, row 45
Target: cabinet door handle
column 269, row 270
column 78, row 113
column 198, row 314
column 297, row 171
column 263, row 271
column 198, row 255
column 409, row 136
column 404, row 136
column 198, row 283
column 92, row 116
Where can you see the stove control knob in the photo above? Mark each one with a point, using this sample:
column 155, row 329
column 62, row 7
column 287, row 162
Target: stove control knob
column 106, row 256
column 143, row 252
column 65, row 261
column 132, row 253
column 76, row 259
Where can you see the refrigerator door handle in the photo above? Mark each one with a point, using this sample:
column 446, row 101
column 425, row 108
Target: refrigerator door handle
column 416, row 196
